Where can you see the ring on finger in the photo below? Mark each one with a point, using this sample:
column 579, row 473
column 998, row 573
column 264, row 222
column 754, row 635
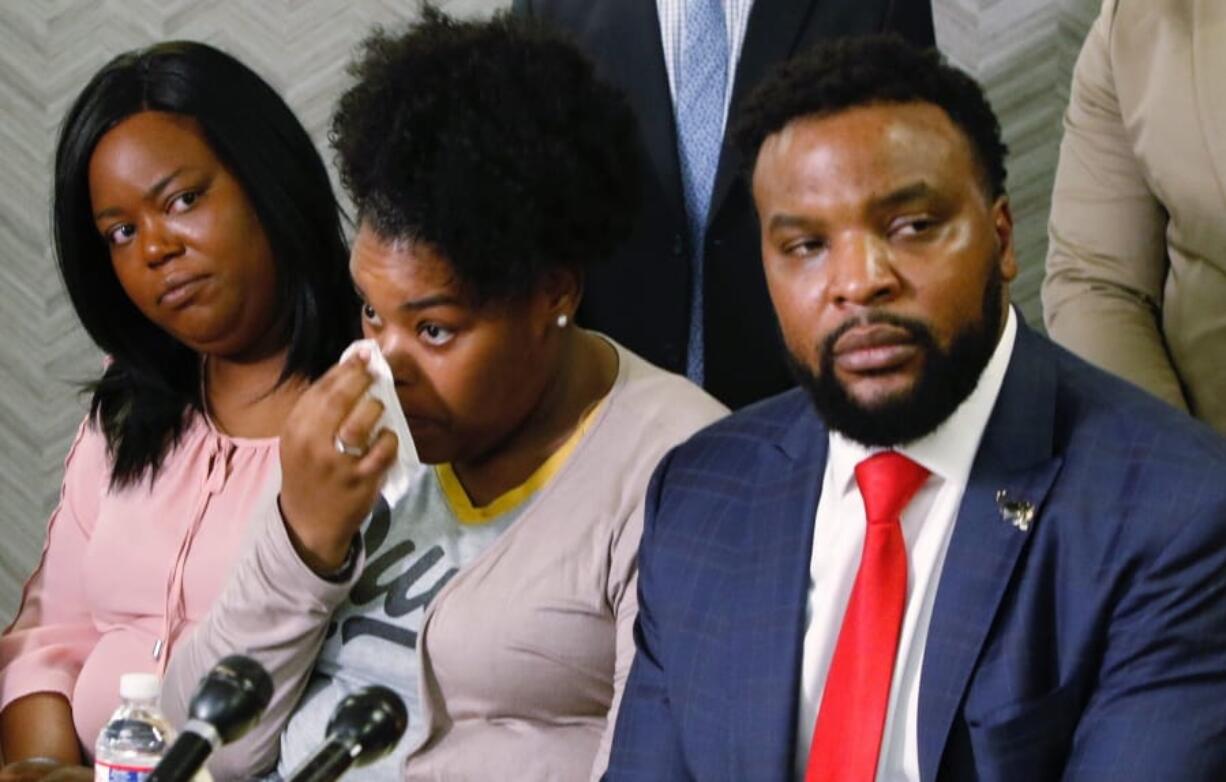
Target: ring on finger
column 346, row 449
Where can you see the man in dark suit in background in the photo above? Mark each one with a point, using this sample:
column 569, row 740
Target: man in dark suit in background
column 959, row 552
column 686, row 65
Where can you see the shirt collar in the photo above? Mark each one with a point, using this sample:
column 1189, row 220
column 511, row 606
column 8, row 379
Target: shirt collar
column 949, row 450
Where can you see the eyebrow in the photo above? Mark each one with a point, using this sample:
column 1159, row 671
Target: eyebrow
column 788, row 221
column 438, row 300
column 426, row 302
column 905, row 194
column 151, row 193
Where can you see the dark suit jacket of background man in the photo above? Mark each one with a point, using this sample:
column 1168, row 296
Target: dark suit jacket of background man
column 641, row 297
column 1088, row 645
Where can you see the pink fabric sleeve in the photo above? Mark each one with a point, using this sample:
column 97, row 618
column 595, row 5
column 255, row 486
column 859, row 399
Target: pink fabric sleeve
column 45, row 646
column 273, row 609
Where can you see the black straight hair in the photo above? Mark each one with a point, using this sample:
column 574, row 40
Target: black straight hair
column 152, row 382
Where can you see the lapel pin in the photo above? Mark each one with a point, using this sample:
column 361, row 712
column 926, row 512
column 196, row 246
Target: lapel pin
column 1019, row 513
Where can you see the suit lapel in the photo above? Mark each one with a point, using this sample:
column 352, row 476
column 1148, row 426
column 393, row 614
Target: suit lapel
column 634, row 33
column 770, row 628
column 1209, row 65
column 774, row 30
column 1016, row 456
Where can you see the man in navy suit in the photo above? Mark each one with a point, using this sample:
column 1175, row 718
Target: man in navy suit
column 957, row 552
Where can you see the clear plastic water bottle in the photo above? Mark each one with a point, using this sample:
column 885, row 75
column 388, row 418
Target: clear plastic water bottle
column 132, row 743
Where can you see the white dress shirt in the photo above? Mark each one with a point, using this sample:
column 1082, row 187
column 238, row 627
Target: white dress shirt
column 672, row 33
column 838, row 539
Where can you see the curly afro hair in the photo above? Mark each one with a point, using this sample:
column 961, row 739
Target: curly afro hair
column 861, row 71
column 493, row 142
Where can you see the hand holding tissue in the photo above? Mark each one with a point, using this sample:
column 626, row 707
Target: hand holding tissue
column 383, row 388
column 335, row 459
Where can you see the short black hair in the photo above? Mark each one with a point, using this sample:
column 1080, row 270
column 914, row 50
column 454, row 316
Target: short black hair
column 491, row 141
column 152, row 380
column 865, row 70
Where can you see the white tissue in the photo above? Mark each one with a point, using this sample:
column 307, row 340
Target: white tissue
column 398, row 478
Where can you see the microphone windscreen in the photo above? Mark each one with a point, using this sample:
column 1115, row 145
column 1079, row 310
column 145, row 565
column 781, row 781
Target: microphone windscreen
column 373, row 718
column 232, row 696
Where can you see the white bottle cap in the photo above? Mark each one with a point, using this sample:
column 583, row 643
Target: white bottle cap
column 139, row 686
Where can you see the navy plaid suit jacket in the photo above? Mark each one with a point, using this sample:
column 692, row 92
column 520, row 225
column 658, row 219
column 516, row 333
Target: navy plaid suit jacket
column 1090, row 647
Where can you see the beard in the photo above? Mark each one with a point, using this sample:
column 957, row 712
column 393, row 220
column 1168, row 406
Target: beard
column 946, row 378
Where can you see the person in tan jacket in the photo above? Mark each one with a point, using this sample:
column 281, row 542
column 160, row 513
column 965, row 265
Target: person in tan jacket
column 489, row 168
column 1136, row 267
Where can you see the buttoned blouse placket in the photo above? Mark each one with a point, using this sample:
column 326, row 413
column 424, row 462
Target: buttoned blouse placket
column 217, row 470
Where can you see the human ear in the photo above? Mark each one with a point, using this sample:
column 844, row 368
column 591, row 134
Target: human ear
column 559, row 293
column 1002, row 224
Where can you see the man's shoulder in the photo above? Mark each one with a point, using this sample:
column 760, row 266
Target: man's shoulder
column 1133, row 457
column 1102, row 413
column 763, row 427
column 738, row 475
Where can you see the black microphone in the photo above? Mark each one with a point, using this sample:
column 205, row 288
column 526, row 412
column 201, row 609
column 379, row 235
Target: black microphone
column 227, row 703
column 364, row 727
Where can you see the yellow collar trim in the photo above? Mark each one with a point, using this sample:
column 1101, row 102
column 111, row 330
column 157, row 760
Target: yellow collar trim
column 467, row 513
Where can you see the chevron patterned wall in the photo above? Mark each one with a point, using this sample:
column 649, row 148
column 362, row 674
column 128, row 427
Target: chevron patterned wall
column 1023, row 52
column 1021, row 49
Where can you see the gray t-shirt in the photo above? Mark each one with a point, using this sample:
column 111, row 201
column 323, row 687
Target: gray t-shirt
column 411, row 553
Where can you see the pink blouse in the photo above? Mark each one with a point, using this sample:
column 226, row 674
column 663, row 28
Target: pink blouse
column 126, row 574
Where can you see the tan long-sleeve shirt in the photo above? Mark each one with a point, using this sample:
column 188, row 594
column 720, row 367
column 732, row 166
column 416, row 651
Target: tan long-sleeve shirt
column 1136, row 267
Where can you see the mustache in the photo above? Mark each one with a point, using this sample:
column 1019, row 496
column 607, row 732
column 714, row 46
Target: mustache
column 918, row 330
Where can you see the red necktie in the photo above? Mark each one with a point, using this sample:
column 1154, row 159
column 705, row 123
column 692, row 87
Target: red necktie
column 847, row 737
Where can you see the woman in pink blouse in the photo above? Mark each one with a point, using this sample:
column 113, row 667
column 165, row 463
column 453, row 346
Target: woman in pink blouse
column 201, row 246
